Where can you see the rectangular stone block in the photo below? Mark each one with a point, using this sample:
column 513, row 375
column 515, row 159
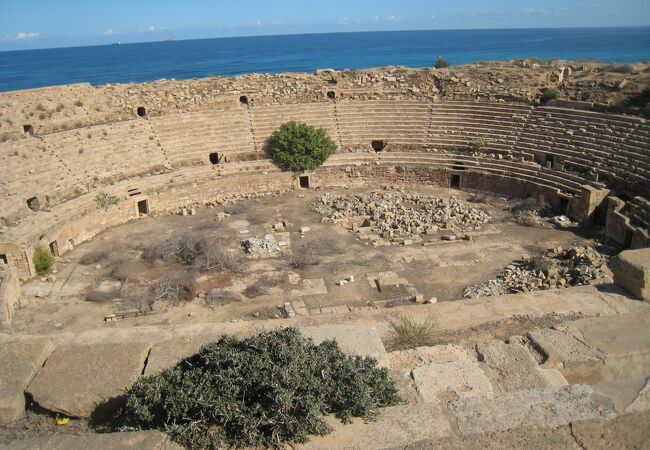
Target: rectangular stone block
column 632, row 272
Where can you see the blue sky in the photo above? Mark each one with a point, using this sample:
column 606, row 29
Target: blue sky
column 27, row 24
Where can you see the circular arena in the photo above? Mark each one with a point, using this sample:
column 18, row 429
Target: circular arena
column 448, row 186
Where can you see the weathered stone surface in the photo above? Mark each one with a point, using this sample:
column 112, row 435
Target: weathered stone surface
column 513, row 367
column 353, row 339
column 10, row 295
column 140, row 440
column 78, row 378
column 630, row 431
column 168, row 353
column 577, row 362
column 632, row 271
column 642, row 400
column 463, row 378
column 547, row 407
column 624, row 393
column 395, row 426
column 19, row 362
column 525, row 438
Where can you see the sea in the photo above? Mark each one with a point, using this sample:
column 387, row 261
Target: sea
column 124, row 63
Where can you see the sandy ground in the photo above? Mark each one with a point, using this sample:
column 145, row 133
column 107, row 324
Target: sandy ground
column 441, row 269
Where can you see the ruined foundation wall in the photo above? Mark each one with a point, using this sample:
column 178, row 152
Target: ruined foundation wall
column 10, row 296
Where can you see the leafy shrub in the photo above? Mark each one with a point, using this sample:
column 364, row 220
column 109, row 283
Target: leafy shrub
column 441, row 62
column 481, row 143
column 264, row 391
column 104, row 200
column 299, row 147
column 407, row 333
column 549, row 94
column 43, row 260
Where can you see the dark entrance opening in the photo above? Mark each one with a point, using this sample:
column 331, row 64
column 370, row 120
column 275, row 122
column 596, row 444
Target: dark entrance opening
column 455, row 181
column 143, row 207
column 549, row 161
column 378, row 146
column 600, row 215
column 142, row 111
column 34, row 204
column 243, row 100
column 628, row 239
column 54, row 248
column 564, row 205
column 214, row 158
column 28, row 129
column 331, row 95
column 3, row 259
column 304, row 182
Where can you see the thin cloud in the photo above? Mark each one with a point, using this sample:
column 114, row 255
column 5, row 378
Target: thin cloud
column 22, row 36
column 109, row 32
column 151, row 28
column 393, row 19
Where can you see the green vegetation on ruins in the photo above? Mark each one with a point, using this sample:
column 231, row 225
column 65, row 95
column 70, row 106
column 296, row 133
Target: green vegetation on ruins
column 104, row 200
column 441, row 62
column 268, row 390
column 43, row 260
column 299, row 147
column 549, row 94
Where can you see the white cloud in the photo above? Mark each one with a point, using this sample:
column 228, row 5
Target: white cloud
column 109, row 32
column 25, row 36
column 258, row 23
column 375, row 19
column 393, row 19
column 151, row 28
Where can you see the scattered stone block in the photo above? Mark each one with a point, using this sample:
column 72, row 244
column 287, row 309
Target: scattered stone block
column 78, row 378
column 19, row 363
column 632, row 272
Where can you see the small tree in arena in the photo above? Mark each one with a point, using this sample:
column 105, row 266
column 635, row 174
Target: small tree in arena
column 299, row 147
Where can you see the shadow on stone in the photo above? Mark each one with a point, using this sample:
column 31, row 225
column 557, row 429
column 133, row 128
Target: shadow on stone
column 108, row 414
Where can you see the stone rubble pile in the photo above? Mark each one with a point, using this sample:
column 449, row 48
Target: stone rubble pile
column 400, row 214
column 557, row 268
column 267, row 244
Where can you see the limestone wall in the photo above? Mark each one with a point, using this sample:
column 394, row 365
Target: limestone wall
column 10, row 296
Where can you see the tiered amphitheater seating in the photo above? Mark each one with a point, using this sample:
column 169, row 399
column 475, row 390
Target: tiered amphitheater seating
column 267, row 119
column 584, row 141
column 455, row 125
column 398, row 123
column 106, row 152
column 636, row 148
column 189, row 138
column 30, row 169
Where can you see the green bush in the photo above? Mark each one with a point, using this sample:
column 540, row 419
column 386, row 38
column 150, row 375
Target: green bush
column 264, row 391
column 43, row 260
column 441, row 62
column 549, row 94
column 481, row 143
column 104, row 200
column 299, row 147
column 407, row 333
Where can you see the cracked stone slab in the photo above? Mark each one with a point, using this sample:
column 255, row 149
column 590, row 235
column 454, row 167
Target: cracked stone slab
column 138, row 440
column 167, row 354
column 546, row 407
column 642, row 400
column 464, row 378
column 512, row 367
column 19, row 363
column 76, row 379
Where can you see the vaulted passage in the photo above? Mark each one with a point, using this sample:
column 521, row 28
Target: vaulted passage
column 378, row 146
column 142, row 111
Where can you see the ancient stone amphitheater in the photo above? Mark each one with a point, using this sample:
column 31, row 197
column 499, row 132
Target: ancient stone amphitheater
column 163, row 145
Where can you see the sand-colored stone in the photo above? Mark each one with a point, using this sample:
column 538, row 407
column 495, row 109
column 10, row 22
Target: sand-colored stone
column 77, row 379
column 19, row 362
column 513, row 367
column 547, row 407
column 139, row 440
column 462, row 378
column 632, row 271
column 630, row 431
column 357, row 340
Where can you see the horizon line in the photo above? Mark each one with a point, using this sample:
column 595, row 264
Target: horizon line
column 325, row 33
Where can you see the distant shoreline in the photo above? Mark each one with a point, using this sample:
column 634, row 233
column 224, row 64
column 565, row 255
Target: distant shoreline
column 188, row 59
